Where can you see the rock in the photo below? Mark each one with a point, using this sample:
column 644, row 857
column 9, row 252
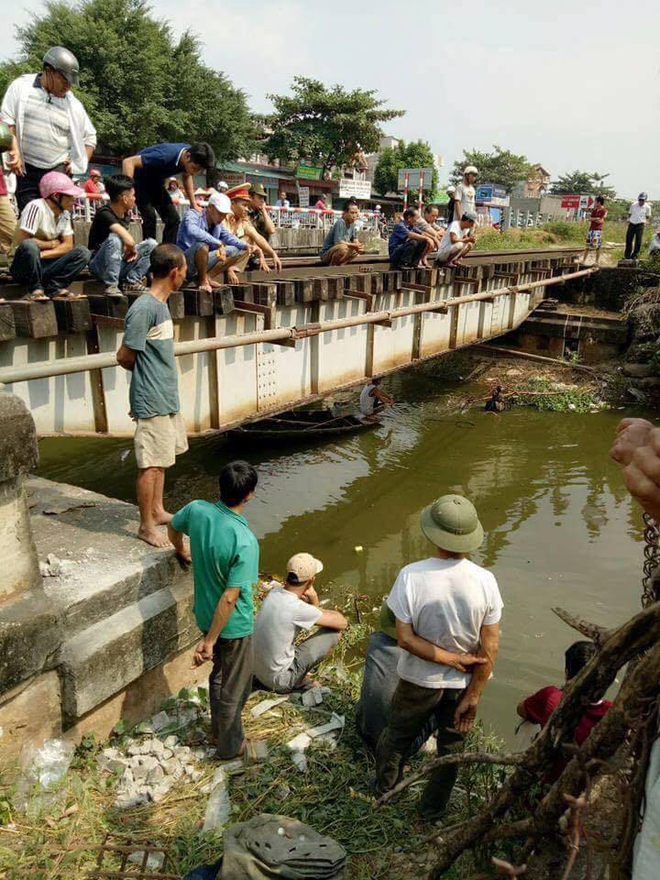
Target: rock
column 266, row 706
column 171, row 742
column 637, row 371
column 154, row 862
column 136, row 749
column 160, row 790
column 192, row 772
column 172, row 768
column 160, row 720
column 141, row 765
column 155, row 775
column 183, row 753
column 312, row 697
column 218, row 808
column 127, row 779
column 513, row 372
column 257, row 751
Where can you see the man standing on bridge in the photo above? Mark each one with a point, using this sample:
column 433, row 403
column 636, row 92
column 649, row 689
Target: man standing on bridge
column 465, row 196
column 147, row 351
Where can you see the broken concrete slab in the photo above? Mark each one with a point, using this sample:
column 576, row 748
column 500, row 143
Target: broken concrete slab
column 267, row 705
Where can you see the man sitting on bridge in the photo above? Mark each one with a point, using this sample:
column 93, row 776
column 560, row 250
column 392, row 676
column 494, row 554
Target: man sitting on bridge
column 286, row 611
column 341, row 244
column 262, row 222
column 210, row 248
column 407, row 244
column 457, row 241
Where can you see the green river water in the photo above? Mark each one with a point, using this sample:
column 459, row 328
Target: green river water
column 560, row 528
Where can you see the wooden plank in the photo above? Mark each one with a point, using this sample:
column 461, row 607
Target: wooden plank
column 111, row 306
column 96, row 382
column 197, row 301
column 7, row 323
column 35, row 320
column 265, row 294
column 223, row 300
column 73, row 315
column 243, row 292
column 336, row 286
column 176, row 305
column 377, row 282
column 304, row 289
column 286, row 294
column 361, row 282
column 321, row 289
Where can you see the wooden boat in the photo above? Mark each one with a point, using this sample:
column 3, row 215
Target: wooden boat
column 302, row 424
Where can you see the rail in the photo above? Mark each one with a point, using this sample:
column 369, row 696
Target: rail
column 86, row 363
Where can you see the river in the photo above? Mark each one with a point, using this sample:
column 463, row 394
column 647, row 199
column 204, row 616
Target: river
column 560, row 527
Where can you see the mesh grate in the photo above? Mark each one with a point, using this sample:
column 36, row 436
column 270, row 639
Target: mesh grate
column 113, row 860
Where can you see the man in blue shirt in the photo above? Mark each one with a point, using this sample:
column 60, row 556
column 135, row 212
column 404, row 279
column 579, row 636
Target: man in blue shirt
column 407, row 244
column 147, row 352
column 210, row 248
column 151, row 167
column 341, row 244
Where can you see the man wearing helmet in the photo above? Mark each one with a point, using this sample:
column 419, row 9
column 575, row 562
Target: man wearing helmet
column 46, row 259
column 51, row 129
column 465, row 195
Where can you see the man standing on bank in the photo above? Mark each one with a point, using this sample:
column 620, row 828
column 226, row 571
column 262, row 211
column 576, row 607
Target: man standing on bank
column 147, row 351
column 225, row 557
column 51, row 128
column 639, row 214
column 455, row 605
column 150, row 169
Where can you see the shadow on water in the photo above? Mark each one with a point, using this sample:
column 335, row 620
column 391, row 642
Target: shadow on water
column 560, row 528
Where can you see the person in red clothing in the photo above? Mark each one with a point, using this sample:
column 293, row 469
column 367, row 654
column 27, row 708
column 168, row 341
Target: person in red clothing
column 93, row 184
column 595, row 233
column 538, row 708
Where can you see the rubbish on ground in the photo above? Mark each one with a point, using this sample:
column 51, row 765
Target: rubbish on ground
column 359, row 548
column 267, row 705
column 218, row 808
column 45, row 767
column 154, row 860
column 256, row 751
column 299, row 744
column 160, row 720
column 312, row 697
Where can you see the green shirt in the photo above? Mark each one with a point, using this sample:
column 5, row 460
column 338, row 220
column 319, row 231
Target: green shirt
column 259, row 223
column 225, row 554
column 149, row 332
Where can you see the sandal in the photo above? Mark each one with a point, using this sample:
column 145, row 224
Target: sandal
column 69, row 294
column 36, row 295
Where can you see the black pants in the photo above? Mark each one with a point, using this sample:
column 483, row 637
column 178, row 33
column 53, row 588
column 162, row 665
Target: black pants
column 27, row 186
column 412, row 708
column 230, row 684
column 151, row 198
column 408, row 254
column 634, row 235
column 49, row 275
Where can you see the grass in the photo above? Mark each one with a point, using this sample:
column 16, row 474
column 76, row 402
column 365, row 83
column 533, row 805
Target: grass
column 55, row 841
column 547, row 395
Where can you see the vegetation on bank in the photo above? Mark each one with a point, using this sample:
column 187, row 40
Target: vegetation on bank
column 56, row 840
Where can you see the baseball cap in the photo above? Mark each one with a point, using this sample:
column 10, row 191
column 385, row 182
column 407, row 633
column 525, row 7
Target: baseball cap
column 643, row 196
column 222, row 185
column 95, row 172
column 470, row 215
column 452, row 523
column 58, row 183
column 470, row 169
column 304, row 566
column 220, row 202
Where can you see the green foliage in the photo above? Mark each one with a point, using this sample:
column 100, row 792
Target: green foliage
column 585, row 183
column 549, row 396
column 139, row 85
column 499, row 166
column 564, row 230
column 328, row 126
column 86, row 751
column 416, row 154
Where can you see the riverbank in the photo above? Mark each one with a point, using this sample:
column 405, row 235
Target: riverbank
column 57, row 838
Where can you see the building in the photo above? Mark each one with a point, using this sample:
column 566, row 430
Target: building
column 536, row 186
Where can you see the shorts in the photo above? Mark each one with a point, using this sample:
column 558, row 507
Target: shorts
column 190, row 259
column 159, row 440
column 593, row 239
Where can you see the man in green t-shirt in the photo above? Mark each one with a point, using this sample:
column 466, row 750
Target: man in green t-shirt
column 225, row 557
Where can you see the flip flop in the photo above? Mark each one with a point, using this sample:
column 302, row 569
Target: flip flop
column 36, row 295
column 69, row 294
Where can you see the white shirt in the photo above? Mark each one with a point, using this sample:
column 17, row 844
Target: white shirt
column 282, row 203
column 367, row 400
column 446, row 243
column 39, row 220
column 446, row 601
column 46, row 126
column 639, row 213
column 281, row 618
column 466, row 195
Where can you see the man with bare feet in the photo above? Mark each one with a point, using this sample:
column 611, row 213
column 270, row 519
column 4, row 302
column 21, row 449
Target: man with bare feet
column 225, row 558
column 210, row 248
column 147, row 351
column 458, row 241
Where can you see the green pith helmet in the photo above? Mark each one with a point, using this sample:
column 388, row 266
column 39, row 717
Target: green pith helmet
column 6, row 139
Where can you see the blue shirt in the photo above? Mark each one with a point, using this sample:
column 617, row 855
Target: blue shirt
column 400, row 234
column 339, row 232
column 194, row 229
column 161, row 161
column 149, row 332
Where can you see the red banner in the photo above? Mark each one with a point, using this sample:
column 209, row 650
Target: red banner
column 570, row 201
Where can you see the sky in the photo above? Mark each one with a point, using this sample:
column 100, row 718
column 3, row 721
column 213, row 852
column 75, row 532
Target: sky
column 572, row 85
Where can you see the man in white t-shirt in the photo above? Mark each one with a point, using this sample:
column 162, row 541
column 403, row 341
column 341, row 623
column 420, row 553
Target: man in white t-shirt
column 465, row 196
column 285, row 613
column 457, row 241
column 443, row 603
column 373, row 399
column 639, row 214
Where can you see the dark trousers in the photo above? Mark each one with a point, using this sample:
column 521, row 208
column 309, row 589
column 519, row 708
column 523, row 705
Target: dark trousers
column 408, row 254
column 634, row 234
column 412, row 707
column 307, row 657
column 151, row 198
column 27, row 186
column 49, row 275
column 230, row 684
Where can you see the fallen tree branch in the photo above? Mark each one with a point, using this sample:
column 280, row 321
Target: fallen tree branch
column 597, row 634
column 459, row 758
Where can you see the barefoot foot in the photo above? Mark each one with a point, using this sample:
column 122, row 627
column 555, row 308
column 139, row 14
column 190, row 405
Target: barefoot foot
column 162, row 517
column 154, row 537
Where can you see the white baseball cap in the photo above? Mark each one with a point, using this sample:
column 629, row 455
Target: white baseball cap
column 220, row 202
column 222, row 185
column 303, row 566
column 471, row 169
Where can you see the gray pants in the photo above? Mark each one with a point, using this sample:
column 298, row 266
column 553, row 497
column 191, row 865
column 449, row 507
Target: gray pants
column 308, row 655
column 230, row 684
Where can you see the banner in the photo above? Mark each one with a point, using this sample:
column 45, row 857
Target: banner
column 414, row 177
column 303, row 196
column 354, row 189
column 309, row 172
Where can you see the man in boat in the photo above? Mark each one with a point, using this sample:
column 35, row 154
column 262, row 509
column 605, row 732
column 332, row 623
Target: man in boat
column 341, row 244
column 225, row 558
column 373, row 400
column 286, row 612
column 443, row 603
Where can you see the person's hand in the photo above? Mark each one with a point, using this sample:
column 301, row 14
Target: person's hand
column 359, row 247
column 15, row 163
column 630, row 435
column 277, row 263
column 263, row 265
column 466, row 713
column 464, row 662
column 642, row 474
column 311, row 596
column 130, row 254
column 203, row 653
column 232, row 277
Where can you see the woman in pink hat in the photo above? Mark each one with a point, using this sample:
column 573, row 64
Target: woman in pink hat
column 46, row 260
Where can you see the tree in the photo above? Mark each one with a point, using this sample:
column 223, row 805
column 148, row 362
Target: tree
column 583, row 183
column 328, row 126
column 416, row 154
column 500, row 166
column 138, row 84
